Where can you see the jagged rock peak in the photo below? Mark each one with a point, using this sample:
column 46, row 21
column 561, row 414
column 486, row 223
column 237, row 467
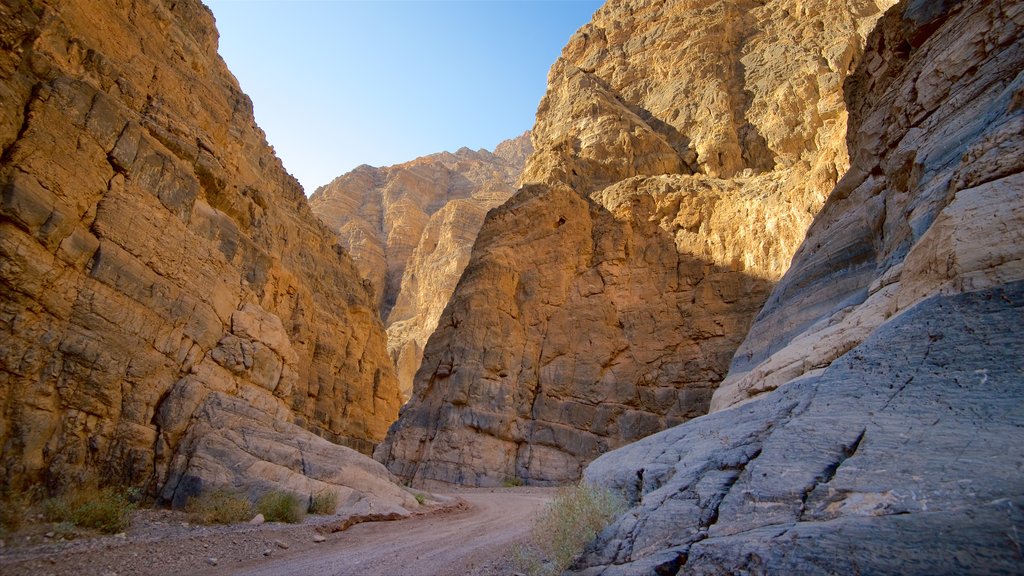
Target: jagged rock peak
column 164, row 282
column 410, row 228
column 870, row 423
column 681, row 151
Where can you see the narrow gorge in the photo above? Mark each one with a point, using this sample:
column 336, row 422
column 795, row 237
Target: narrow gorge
column 410, row 228
column 681, row 152
column 757, row 268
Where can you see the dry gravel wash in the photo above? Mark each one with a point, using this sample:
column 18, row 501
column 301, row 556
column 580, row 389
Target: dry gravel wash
column 471, row 540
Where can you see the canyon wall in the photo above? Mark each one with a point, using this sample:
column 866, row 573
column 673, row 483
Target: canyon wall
column 410, row 228
column 870, row 423
column 172, row 312
column 681, row 152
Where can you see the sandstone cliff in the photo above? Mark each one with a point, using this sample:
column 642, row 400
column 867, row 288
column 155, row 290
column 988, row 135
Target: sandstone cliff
column 168, row 297
column 681, row 152
column 876, row 404
column 410, row 228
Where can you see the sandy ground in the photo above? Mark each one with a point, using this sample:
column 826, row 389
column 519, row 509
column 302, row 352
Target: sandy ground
column 471, row 538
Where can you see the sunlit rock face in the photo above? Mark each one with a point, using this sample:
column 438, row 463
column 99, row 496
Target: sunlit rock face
column 680, row 153
column 870, row 423
column 164, row 282
column 410, row 229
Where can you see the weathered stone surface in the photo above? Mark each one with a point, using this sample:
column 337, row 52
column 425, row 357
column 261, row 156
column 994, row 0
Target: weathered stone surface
column 681, row 151
column 156, row 259
column 410, row 228
column 870, row 421
column 234, row 443
column 901, row 457
column 932, row 203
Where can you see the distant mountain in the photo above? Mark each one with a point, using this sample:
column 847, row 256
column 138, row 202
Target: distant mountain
column 410, row 229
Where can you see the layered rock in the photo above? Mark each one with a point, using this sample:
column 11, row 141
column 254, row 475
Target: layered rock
column 869, row 423
column 157, row 263
column 681, row 152
column 410, row 228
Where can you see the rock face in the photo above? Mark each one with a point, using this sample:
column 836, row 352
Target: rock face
column 681, row 152
column 410, row 228
column 159, row 269
column 870, row 422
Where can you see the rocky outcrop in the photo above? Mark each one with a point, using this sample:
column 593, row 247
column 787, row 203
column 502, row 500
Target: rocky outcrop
column 410, row 228
column 869, row 423
column 158, row 265
column 681, row 152
column 233, row 443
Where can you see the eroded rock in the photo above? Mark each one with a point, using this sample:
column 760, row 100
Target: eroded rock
column 410, row 229
column 681, row 152
column 869, row 421
column 160, row 269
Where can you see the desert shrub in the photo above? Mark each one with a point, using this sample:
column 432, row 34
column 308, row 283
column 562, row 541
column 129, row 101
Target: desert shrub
column 324, row 502
column 576, row 515
column 219, row 506
column 420, row 498
column 106, row 510
column 15, row 508
column 279, row 506
column 512, row 482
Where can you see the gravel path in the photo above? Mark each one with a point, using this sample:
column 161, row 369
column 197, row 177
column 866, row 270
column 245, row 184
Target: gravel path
column 472, row 538
column 468, row 541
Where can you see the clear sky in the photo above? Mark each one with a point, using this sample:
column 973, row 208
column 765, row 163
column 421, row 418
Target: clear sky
column 336, row 84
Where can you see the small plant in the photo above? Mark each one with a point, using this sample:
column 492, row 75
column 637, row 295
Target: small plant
column 420, row 498
column 105, row 510
column 278, row 506
column 512, row 482
column 219, row 506
column 324, row 502
column 576, row 515
column 14, row 510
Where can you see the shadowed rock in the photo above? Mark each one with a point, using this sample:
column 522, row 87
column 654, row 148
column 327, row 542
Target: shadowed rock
column 870, row 421
column 681, row 151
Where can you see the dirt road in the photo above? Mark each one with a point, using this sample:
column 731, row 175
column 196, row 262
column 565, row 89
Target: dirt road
column 464, row 542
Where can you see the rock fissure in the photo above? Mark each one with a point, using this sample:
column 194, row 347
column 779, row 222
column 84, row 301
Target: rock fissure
column 826, row 475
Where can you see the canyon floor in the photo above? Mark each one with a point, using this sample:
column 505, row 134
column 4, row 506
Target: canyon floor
column 473, row 534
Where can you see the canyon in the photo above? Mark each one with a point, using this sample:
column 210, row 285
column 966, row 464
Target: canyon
column 410, row 228
column 680, row 153
column 758, row 268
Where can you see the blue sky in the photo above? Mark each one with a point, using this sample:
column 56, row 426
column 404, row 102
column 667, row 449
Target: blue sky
column 336, row 84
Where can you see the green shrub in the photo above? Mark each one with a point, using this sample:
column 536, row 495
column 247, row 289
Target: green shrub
column 106, row 510
column 576, row 515
column 278, row 506
column 219, row 506
column 512, row 482
column 324, row 502
column 420, row 498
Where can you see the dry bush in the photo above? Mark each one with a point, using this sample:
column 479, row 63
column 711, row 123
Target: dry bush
column 105, row 510
column 324, row 502
column 576, row 515
column 279, row 506
column 15, row 508
column 219, row 506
